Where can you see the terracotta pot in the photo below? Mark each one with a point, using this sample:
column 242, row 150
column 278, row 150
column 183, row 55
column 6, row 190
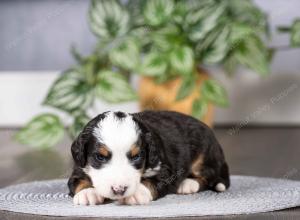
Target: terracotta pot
column 162, row 96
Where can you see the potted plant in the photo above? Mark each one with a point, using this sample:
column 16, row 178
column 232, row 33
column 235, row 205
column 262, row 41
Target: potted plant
column 168, row 43
column 185, row 36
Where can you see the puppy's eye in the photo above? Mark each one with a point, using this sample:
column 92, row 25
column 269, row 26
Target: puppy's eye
column 136, row 157
column 100, row 158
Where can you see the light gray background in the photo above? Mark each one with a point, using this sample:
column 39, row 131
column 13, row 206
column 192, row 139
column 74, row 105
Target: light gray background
column 37, row 35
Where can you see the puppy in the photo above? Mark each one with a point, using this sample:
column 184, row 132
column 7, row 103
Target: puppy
column 140, row 157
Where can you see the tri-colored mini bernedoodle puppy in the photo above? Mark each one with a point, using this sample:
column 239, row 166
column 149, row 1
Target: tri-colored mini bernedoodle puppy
column 140, row 157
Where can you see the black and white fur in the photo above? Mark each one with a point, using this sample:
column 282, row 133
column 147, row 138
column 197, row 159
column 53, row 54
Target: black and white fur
column 176, row 154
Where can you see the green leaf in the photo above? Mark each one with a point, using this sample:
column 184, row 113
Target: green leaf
column 295, row 34
column 203, row 46
column 212, row 91
column 153, row 64
column 78, row 124
column 163, row 78
column 42, row 131
column 196, row 4
column 70, row 92
column 247, row 12
column 108, row 19
column 239, row 32
column 230, row 64
column 156, row 12
column 134, row 7
column 113, row 87
column 182, row 60
column 166, row 37
column 253, row 54
column 126, row 55
column 218, row 50
column 141, row 34
column 76, row 55
column 197, row 11
column 187, row 86
column 179, row 12
column 205, row 25
column 199, row 108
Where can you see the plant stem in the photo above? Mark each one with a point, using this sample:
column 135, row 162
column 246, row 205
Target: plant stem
column 284, row 29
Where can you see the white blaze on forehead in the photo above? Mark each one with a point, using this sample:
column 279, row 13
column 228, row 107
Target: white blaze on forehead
column 116, row 133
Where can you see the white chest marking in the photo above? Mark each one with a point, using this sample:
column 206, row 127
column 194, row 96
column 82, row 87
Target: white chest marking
column 152, row 171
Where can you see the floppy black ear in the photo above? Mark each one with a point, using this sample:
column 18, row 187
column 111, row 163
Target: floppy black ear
column 152, row 150
column 151, row 141
column 78, row 148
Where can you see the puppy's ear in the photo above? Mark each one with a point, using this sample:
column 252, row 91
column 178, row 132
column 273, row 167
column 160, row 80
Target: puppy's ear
column 152, row 150
column 151, row 141
column 78, row 148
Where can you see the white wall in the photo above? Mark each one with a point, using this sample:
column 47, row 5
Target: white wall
column 21, row 95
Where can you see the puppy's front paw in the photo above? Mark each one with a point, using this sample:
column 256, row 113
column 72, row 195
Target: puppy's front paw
column 87, row 196
column 188, row 186
column 141, row 197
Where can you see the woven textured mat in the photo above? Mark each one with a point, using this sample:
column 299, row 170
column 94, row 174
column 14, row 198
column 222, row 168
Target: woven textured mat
column 246, row 195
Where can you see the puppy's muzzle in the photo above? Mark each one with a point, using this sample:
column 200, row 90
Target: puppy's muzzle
column 119, row 190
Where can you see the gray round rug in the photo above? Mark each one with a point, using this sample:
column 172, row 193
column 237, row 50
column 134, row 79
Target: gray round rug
column 246, row 195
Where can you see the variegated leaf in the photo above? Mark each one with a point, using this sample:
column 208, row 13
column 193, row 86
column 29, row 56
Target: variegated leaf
column 203, row 46
column 247, row 12
column 78, row 124
column 295, row 34
column 187, row 86
column 239, row 32
column 212, row 91
column 108, row 19
column 70, row 92
column 199, row 108
column 153, row 65
column 219, row 49
column 198, row 10
column 199, row 31
column 182, row 60
column 126, row 55
column 180, row 11
column 43, row 131
column 113, row 87
column 157, row 12
column 164, row 38
column 253, row 54
column 230, row 64
column 196, row 4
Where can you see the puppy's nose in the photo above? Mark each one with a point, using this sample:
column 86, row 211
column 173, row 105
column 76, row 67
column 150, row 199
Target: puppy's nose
column 119, row 190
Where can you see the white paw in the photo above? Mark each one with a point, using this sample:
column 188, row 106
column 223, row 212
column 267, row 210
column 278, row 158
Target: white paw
column 142, row 196
column 87, row 196
column 220, row 187
column 188, row 186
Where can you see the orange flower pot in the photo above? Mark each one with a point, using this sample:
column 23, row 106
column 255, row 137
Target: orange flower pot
column 154, row 96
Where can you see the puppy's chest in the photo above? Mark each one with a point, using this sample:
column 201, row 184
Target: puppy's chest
column 152, row 171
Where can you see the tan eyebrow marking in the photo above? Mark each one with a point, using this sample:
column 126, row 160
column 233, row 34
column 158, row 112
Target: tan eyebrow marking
column 103, row 151
column 135, row 150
